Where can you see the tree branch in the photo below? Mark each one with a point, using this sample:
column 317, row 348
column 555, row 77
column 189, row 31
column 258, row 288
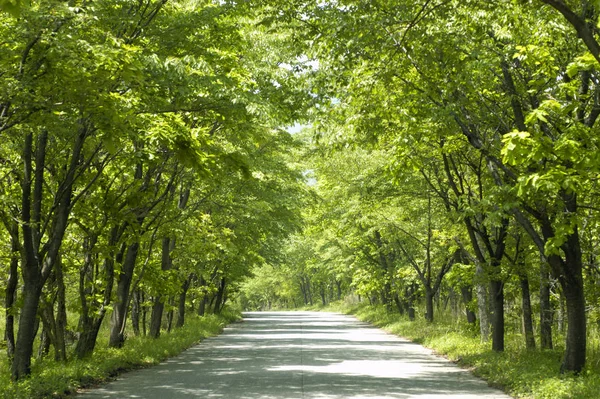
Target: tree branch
column 580, row 25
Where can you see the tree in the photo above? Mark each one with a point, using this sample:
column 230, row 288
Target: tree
column 118, row 104
column 477, row 78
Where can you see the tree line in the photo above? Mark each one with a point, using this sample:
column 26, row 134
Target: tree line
column 455, row 158
column 143, row 166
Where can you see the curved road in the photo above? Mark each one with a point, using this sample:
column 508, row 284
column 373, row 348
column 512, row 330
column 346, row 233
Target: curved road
column 289, row 355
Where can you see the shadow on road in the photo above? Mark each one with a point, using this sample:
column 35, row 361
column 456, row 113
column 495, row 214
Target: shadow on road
column 286, row 355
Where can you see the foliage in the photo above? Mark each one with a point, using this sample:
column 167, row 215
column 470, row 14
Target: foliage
column 58, row 380
column 144, row 166
column 449, row 156
column 490, row 110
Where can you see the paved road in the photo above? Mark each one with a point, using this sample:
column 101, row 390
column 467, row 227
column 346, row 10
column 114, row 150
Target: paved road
column 289, row 355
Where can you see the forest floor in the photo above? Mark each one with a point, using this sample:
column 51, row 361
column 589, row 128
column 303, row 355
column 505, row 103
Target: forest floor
column 523, row 373
column 289, row 355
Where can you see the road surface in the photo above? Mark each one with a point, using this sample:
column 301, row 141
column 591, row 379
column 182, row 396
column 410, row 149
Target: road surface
column 289, row 355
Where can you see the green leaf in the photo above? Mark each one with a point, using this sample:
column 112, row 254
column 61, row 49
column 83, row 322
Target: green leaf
column 12, row 7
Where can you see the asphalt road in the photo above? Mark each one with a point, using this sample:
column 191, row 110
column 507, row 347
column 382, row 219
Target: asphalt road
column 289, row 355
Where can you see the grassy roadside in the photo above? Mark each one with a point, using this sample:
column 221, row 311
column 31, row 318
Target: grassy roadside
column 520, row 372
column 56, row 380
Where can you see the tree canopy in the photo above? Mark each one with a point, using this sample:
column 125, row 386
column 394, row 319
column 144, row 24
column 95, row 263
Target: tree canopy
column 448, row 154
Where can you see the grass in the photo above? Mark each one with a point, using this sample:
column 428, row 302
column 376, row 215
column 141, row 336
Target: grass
column 520, row 372
column 57, row 380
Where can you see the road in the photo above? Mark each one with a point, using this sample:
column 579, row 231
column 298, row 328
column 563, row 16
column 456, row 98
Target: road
column 289, row 355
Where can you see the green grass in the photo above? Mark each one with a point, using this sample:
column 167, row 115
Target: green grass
column 520, row 372
column 53, row 380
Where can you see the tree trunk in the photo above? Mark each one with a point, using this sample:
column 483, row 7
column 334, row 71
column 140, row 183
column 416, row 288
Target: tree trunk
column 87, row 339
column 545, row 307
column 135, row 313
column 91, row 320
column 158, row 307
column 399, row 304
column 497, row 294
column 35, row 269
column 383, row 262
column 202, row 305
column 446, row 299
column 386, row 296
column 429, row 294
column 33, row 281
column 572, row 285
column 11, row 293
column 144, row 309
column 21, row 366
column 59, row 343
column 55, row 325
column 170, row 316
column 467, row 296
column 44, row 347
column 561, row 314
column 331, row 294
column 182, row 297
column 303, row 290
column 204, row 299
column 156, row 318
column 410, row 296
column 575, row 352
column 86, row 276
column 482, row 303
column 570, row 275
column 119, row 315
column 494, row 245
column 497, row 287
column 527, row 313
column 220, row 296
column 48, row 328
column 411, row 311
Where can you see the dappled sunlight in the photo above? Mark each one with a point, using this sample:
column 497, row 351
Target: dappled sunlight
column 372, row 368
column 275, row 355
column 340, row 335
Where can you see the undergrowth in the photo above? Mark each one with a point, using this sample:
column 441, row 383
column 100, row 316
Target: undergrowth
column 522, row 373
column 50, row 379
